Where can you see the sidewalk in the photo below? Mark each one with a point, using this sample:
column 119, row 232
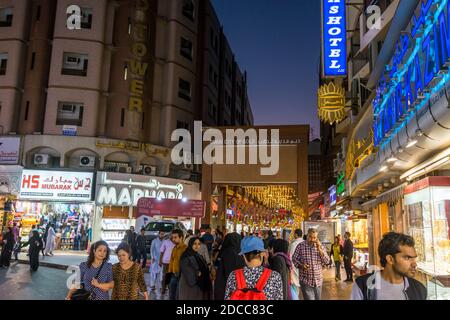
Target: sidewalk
column 62, row 259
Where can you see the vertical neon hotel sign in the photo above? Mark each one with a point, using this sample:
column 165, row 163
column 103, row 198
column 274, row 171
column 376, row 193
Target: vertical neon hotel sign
column 334, row 50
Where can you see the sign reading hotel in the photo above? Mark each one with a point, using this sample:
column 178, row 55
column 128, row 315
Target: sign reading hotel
column 56, row 185
column 9, row 150
column 334, row 31
column 116, row 189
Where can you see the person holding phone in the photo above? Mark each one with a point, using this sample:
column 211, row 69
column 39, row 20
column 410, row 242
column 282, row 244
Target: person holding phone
column 310, row 257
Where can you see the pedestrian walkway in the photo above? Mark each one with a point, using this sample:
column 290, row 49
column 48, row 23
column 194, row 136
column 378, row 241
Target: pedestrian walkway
column 335, row 290
column 62, row 259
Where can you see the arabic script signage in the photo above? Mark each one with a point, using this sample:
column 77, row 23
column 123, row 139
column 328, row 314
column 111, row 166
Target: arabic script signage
column 171, row 208
column 9, row 150
column 56, row 185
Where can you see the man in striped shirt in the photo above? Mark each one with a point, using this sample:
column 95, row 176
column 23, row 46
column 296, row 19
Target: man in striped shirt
column 310, row 257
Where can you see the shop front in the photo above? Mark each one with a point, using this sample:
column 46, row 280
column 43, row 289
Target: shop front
column 427, row 206
column 59, row 198
column 117, row 196
column 9, row 190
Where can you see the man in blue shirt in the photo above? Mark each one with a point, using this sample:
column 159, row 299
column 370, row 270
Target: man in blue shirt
column 208, row 239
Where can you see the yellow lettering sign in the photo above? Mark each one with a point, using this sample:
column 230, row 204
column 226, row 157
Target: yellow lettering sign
column 140, row 32
column 137, row 87
column 138, row 67
column 331, row 101
column 135, row 104
column 139, row 49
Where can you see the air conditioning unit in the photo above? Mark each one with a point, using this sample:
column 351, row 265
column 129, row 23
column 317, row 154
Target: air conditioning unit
column 123, row 169
column 87, row 161
column 149, row 170
column 41, row 158
column 129, row 170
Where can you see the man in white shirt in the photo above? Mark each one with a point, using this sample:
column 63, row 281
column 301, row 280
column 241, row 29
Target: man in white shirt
column 298, row 238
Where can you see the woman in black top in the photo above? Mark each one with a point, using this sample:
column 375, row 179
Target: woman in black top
column 7, row 248
column 228, row 261
column 281, row 263
column 36, row 246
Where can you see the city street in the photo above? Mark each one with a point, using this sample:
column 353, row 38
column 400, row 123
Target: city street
column 18, row 283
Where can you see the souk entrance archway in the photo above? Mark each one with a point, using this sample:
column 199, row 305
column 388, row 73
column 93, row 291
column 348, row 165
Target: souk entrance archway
column 240, row 197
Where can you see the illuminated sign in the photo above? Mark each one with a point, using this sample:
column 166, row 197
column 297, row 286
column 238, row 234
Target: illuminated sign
column 340, row 184
column 331, row 103
column 334, row 52
column 333, row 196
column 137, row 67
column 417, row 73
column 56, row 185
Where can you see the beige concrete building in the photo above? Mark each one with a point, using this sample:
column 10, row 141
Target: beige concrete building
column 122, row 75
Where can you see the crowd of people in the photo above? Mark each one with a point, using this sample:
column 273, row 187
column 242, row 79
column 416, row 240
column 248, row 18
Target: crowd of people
column 230, row 266
column 215, row 266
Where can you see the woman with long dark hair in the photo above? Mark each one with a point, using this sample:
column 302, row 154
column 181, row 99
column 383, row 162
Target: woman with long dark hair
column 281, row 262
column 96, row 273
column 195, row 279
column 228, row 261
column 7, row 248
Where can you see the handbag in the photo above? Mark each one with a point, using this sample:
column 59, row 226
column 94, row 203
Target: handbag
column 82, row 293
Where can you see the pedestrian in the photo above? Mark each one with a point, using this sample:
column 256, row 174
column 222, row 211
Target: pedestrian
column 189, row 235
column 50, row 241
column 141, row 249
column 128, row 276
column 228, row 260
column 174, row 265
column 7, row 248
column 253, row 282
column 16, row 232
column 17, row 247
column 310, row 257
column 96, row 275
column 337, row 251
column 208, row 239
column 155, row 268
column 295, row 285
column 35, row 244
column 396, row 280
column 130, row 239
column 203, row 251
column 164, row 261
column 195, row 278
column 348, row 256
column 268, row 243
column 281, row 262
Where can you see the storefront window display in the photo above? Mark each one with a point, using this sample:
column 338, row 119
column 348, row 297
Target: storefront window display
column 72, row 222
column 326, row 231
column 428, row 220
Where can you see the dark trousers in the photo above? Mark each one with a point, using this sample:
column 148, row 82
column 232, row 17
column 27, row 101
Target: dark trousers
column 173, row 288
column 5, row 258
column 142, row 254
column 348, row 268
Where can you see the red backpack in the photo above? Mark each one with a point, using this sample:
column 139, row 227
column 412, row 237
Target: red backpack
column 244, row 293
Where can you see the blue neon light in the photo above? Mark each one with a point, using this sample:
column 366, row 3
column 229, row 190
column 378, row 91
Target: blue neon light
column 334, row 38
column 430, row 50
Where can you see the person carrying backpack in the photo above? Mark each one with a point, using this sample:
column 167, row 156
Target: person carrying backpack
column 253, row 282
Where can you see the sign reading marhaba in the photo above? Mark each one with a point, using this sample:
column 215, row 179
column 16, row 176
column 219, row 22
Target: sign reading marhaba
column 137, row 66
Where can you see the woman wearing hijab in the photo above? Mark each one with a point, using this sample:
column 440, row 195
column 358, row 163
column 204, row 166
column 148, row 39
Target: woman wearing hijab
column 7, row 248
column 36, row 245
column 281, row 262
column 195, row 280
column 228, row 261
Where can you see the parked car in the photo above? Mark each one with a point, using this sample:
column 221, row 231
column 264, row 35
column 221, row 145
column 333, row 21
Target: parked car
column 153, row 228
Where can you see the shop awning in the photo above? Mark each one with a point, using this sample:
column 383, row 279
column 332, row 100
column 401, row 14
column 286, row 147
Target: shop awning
column 388, row 196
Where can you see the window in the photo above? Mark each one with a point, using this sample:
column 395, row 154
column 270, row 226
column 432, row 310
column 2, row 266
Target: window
column 122, row 117
column 186, row 48
column 70, row 113
column 188, row 9
column 38, row 13
column 33, row 57
column 184, row 89
column 214, row 41
column 129, row 25
column 3, row 63
column 6, row 17
column 86, row 18
column 125, row 72
column 75, row 64
column 27, row 109
column 228, row 68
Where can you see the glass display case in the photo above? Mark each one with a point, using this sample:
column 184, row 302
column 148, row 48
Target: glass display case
column 113, row 231
column 428, row 220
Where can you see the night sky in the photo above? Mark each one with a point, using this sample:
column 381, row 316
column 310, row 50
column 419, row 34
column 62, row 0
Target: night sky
column 278, row 43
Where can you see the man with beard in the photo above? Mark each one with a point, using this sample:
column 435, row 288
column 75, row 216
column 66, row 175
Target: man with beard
column 396, row 280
